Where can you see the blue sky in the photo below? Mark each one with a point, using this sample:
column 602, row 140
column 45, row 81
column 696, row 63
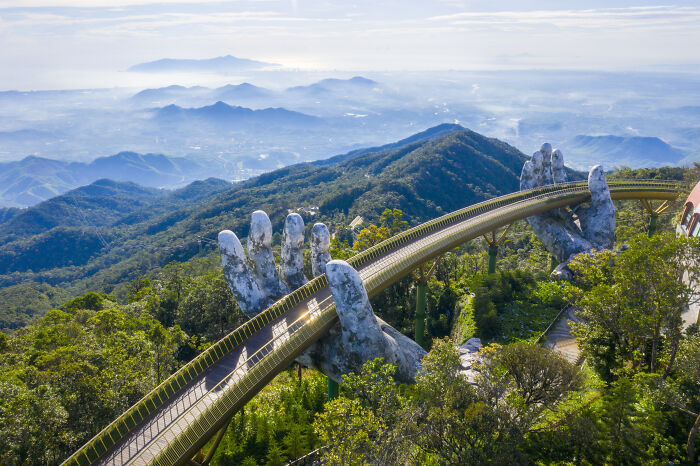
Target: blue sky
column 70, row 43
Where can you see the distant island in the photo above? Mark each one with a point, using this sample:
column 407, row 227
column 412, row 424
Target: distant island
column 224, row 64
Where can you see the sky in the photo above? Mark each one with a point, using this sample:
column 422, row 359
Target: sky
column 57, row 44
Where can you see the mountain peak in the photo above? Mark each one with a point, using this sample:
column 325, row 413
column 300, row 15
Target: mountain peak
column 224, row 64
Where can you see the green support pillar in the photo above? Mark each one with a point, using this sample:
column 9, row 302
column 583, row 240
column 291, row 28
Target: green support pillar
column 493, row 252
column 420, row 312
column 654, row 213
column 333, row 388
column 652, row 224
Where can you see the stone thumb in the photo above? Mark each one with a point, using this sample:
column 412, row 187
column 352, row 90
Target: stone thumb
column 357, row 320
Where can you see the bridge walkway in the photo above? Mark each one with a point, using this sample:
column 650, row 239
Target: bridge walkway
column 178, row 417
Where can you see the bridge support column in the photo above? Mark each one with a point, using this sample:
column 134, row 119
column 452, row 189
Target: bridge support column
column 493, row 254
column 654, row 213
column 420, row 311
column 652, row 225
column 333, row 389
column 203, row 459
column 493, row 243
column 422, row 277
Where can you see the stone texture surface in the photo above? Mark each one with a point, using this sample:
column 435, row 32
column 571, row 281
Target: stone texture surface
column 469, row 357
column 260, row 253
column 360, row 335
column 320, row 245
column 565, row 232
column 291, row 256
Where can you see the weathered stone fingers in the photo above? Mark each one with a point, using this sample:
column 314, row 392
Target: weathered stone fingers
column 546, row 151
column 260, row 253
column 558, row 171
column 362, row 335
column 598, row 221
column 240, row 279
column 527, row 176
column 564, row 232
column 357, row 320
column 292, row 255
column 320, row 245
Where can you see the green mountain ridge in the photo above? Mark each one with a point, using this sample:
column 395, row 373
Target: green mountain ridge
column 425, row 179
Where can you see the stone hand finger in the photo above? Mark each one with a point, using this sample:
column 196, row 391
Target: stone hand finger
column 320, row 245
column 538, row 169
column 357, row 320
column 546, row 151
column 362, row 335
column 598, row 221
column 292, row 254
column 240, row 279
column 527, row 176
column 260, row 254
column 558, row 171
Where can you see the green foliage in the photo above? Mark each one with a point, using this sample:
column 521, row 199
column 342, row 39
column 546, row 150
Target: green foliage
column 276, row 425
column 20, row 303
column 442, row 419
column 512, row 305
column 91, row 301
column 465, row 325
column 631, row 304
column 70, row 374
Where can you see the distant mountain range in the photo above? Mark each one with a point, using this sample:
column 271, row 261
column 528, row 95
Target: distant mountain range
column 34, row 179
column 334, row 85
column 223, row 114
column 617, row 151
column 225, row 64
column 245, row 92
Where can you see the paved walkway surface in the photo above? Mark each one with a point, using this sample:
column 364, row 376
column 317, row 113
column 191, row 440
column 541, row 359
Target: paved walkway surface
column 560, row 338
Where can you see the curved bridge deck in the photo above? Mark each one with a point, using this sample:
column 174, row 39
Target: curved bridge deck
column 170, row 424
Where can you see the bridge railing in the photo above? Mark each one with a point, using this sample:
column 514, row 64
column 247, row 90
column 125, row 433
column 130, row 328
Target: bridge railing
column 159, row 396
column 156, row 398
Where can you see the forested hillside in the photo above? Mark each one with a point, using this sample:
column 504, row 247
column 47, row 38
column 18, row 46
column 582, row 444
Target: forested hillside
column 129, row 230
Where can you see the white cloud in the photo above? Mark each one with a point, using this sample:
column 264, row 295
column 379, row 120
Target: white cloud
column 92, row 3
column 637, row 17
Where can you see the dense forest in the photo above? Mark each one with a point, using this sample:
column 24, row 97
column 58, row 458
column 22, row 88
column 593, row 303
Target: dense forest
column 635, row 400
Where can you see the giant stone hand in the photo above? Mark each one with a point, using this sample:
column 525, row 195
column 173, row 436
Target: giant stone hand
column 565, row 232
column 359, row 336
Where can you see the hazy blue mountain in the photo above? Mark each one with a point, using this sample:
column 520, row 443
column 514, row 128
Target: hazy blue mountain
column 615, row 151
column 223, row 64
column 243, row 91
column 333, row 85
column 222, row 113
column 169, row 93
column 6, row 213
column 34, row 179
